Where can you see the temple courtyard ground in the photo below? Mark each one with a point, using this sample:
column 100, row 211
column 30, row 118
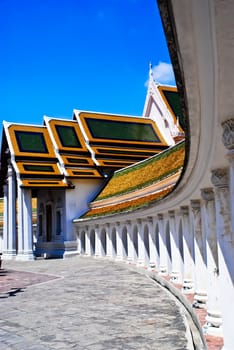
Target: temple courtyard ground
column 88, row 304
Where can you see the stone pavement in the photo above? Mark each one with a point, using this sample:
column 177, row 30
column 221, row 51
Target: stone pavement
column 86, row 304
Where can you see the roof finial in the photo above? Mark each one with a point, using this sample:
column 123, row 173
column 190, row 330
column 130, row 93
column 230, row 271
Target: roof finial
column 151, row 71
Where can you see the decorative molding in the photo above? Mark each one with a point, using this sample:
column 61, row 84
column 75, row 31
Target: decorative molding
column 196, row 210
column 228, row 134
column 223, row 198
column 207, row 194
column 184, row 210
column 171, row 213
column 195, row 204
column 220, row 177
column 150, row 219
column 160, row 217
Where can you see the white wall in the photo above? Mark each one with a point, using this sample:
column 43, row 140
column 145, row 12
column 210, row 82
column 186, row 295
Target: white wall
column 77, row 200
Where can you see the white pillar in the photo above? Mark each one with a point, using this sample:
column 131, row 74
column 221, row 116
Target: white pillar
column 27, row 221
column 20, row 217
column 87, row 242
column 5, row 220
column 200, row 269
column 113, row 235
column 97, row 241
column 130, row 242
column 213, row 325
column 119, row 243
column 176, row 254
column 11, row 249
column 152, row 244
column 145, row 235
column 101, row 234
column 163, row 258
column 141, row 245
column 228, row 141
column 108, row 241
column 188, row 248
column 231, row 185
column 225, row 236
column 78, row 238
column 134, row 238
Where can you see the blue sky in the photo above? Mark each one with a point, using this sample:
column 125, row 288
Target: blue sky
column 57, row 55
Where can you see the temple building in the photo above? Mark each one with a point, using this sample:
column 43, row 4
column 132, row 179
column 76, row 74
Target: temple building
column 136, row 189
column 64, row 164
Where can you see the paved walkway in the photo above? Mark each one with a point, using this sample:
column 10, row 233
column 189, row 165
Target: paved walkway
column 85, row 304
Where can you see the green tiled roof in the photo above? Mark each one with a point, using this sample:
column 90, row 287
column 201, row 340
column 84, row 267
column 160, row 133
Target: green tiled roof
column 122, row 130
column 67, row 136
column 30, row 141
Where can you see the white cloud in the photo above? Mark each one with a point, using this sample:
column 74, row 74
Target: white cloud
column 163, row 73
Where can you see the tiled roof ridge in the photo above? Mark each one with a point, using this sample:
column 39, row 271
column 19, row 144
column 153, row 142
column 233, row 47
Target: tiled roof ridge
column 139, row 192
column 136, row 167
column 151, row 159
column 127, row 206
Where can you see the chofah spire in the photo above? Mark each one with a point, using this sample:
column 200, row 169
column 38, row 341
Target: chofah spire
column 151, row 72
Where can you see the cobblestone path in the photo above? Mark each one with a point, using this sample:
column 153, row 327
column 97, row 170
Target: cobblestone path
column 85, row 304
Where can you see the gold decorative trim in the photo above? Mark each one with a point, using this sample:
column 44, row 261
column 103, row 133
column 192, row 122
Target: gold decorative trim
column 114, row 163
column 52, row 125
column 88, row 161
column 83, row 173
column 31, row 128
column 43, row 183
column 22, row 170
column 100, row 150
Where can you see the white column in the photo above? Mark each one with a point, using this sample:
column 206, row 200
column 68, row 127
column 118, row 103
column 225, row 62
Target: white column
column 200, row 268
column 152, row 244
column 213, row 325
column 11, row 251
column 113, row 235
column 119, row 243
column 176, row 254
column 228, row 141
column 130, row 242
column 188, row 248
column 145, row 236
column 141, row 245
column 87, row 242
column 134, row 237
column 103, row 241
column 5, row 221
column 97, row 242
column 231, row 185
column 108, row 241
column 163, row 258
column 225, row 236
column 20, row 216
column 27, row 221
column 78, row 238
